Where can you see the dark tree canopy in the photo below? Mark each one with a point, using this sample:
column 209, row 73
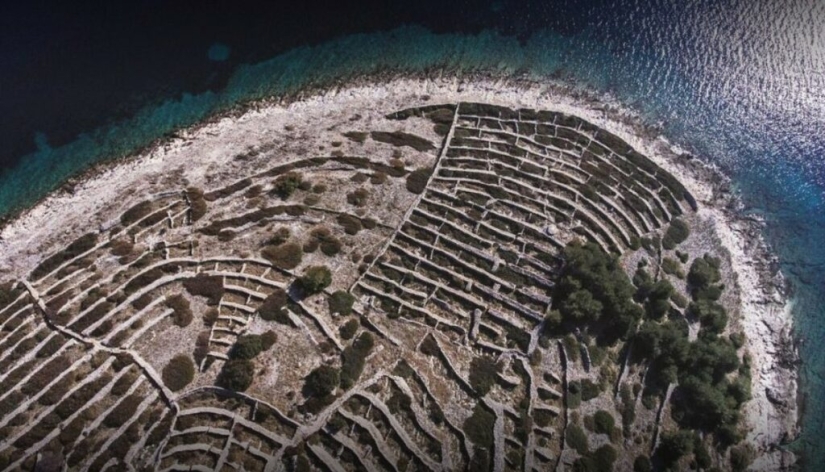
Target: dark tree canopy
column 321, row 382
column 178, row 372
column 237, row 374
column 315, row 279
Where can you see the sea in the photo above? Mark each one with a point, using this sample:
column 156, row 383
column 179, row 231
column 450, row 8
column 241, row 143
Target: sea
column 739, row 83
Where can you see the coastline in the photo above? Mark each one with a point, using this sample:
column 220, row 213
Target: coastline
column 764, row 303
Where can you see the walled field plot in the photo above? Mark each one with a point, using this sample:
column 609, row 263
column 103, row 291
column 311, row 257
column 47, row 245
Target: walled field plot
column 376, row 301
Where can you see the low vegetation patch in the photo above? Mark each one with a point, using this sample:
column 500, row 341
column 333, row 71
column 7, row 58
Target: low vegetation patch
column 353, row 358
column 182, row 315
column 208, row 286
column 237, row 375
column 274, row 307
column 399, row 139
column 285, row 256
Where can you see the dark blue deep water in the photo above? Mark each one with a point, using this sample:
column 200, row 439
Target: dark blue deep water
column 739, row 82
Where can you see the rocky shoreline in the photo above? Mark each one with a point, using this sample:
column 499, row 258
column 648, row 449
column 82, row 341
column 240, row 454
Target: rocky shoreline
column 764, row 304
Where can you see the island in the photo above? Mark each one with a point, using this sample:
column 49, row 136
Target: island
column 403, row 275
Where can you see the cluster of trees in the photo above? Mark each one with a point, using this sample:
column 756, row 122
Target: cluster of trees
column 593, row 291
column 708, row 397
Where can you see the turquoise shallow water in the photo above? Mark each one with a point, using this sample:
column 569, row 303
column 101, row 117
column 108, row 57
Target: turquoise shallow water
column 741, row 84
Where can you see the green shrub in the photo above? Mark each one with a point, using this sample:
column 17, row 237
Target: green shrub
column 417, row 180
column 672, row 267
column 247, row 346
column 479, row 427
column 642, row 464
column 321, row 382
column 285, row 256
column 285, row 185
column 704, row 272
column 603, row 422
column 604, row 457
column 348, row 330
column 353, row 358
column 341, row 302
column 589, row 390
column 676, row 233
column 675, row 445
column 577, row 439
column 274, row 307
column 236, row 374
column 483, row 374
column 741, row 457
column 315, row 279
column 280, row 236
column 178, row 372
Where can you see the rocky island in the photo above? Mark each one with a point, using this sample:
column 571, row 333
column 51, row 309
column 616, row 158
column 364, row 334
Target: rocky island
column 405, row 275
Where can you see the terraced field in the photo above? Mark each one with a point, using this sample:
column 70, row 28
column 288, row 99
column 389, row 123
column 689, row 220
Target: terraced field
column 349, row 312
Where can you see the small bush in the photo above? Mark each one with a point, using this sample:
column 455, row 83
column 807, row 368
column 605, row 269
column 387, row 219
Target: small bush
column 285, row 185
column 483, row 374
column 315, row 279
column 237, row 375
column 604, row 457
column 589, row 390
column 341, row 302
column 178, row 373
column 577, row 439
column 358, row 197
column 210, row 316
column 208, row 286
column 274, row 307
column 603, row 422
column 286, row 256
column 322, row 236
column 247, row 346
column 676, row 233
column 351, row 224
column 417, row 180
column 182, row 315
column 348, row 330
